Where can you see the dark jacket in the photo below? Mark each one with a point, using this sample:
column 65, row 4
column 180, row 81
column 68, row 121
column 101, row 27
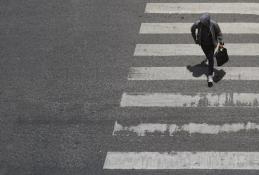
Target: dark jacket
column 214, row 29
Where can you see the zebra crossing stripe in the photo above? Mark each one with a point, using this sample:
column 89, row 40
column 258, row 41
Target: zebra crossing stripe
column 184, row 28
column 190, row 100
column 186, row 73
column 198, row 8
column 244, row 49
column 182, row 160
column 146, row 129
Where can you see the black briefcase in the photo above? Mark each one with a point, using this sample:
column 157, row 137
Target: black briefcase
column 221, row 56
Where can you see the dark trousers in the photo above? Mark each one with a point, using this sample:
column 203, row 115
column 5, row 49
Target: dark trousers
column 209, row 52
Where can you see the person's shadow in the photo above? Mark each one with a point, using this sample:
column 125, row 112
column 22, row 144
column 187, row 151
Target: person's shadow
column 202, row 69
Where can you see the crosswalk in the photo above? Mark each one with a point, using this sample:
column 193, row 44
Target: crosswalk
column 145, row 129
column 244, row 49
column 197, row 8
column 192, row 100
column 182, row 160
column 184, row 28
column 190, row 157
column 184, row 73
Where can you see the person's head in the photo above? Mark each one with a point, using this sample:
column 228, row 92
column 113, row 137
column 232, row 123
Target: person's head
column 205, row 19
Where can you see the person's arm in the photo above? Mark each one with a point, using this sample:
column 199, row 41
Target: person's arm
column 219, row 35
column 193, row 31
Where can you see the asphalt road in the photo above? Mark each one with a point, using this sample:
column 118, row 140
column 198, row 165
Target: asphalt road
column 63, row 68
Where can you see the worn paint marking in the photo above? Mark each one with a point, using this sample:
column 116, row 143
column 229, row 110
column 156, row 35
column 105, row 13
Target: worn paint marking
column 182, row 160
column 244, row 49
column 184, row 28
column 186, row 73
column 194, row 100
column 198, row 8
column 146, row 129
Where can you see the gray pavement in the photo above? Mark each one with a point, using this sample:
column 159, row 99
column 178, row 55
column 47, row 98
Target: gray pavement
column 63, row 69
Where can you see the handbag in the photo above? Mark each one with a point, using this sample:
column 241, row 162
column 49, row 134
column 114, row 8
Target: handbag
column 221, row 56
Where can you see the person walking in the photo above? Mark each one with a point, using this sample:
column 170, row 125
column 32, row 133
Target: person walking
column 208, row 37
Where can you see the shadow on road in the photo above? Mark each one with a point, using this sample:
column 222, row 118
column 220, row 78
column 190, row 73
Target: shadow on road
column 202, row 69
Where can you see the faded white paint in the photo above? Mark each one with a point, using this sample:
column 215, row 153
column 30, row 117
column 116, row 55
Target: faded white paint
column 248, row 49
column 198, row 8
column 182, row 73
column 185, row 28
column 141, row 129
column 182, row 160
column 193, row 100
column 145, row 129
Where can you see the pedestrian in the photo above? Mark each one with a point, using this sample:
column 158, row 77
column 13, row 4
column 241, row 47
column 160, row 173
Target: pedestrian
column 208, row 37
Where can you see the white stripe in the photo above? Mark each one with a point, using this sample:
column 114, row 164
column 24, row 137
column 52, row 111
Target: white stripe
column 183, row 28
column 190, row 100
column 146, row 129
column 182, row 160
column 182, row 73
column 248, row 49
column 198, row 8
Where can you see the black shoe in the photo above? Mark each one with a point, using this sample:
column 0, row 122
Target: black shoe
column 210, row 81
